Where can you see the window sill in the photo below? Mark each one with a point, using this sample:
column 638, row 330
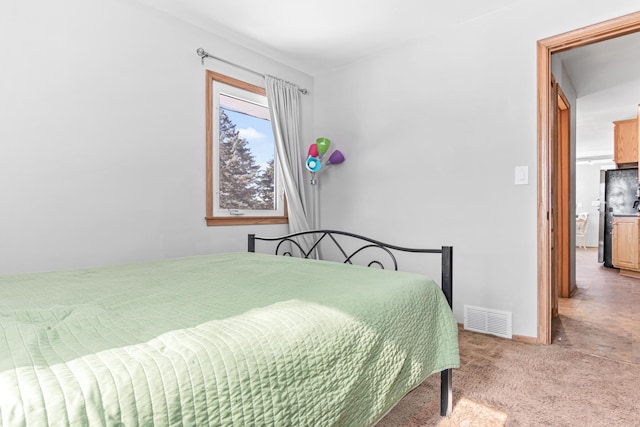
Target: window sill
column 249, row 220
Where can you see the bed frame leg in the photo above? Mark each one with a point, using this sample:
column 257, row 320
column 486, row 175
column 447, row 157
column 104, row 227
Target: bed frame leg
column 446, row 393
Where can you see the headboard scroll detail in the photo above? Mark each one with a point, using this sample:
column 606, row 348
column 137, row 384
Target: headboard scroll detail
column 315, row 237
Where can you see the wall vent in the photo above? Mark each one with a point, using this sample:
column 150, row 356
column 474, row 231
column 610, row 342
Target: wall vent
column 488, row 321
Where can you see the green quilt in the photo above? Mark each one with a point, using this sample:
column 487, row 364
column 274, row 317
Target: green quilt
column 237, row 339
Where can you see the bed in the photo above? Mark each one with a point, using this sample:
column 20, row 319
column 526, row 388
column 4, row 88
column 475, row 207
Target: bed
column 226, row 339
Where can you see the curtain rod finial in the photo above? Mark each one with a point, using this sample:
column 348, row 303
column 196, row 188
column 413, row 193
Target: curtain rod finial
column 202, row 54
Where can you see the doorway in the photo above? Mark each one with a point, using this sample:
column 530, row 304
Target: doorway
column 548, row 211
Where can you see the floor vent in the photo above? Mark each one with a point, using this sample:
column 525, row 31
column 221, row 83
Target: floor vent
column 480, row 319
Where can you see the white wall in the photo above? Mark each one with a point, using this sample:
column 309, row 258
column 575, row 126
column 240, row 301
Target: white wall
column 432, row 132
column 102, row 134
column 587, row 191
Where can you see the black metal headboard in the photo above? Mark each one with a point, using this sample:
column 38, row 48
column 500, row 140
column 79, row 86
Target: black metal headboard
column 315, row 237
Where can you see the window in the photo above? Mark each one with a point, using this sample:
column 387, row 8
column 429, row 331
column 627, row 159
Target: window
column 243, row 175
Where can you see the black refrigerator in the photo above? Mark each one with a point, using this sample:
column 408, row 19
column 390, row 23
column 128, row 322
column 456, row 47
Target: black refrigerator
column 620, row 187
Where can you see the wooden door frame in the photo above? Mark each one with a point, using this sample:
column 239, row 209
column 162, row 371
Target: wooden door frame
column 616, row 27
column 555, row 254
column 563, row 186
column 561, row 255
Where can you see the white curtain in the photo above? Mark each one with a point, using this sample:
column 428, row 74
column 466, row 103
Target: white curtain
column 284, row 107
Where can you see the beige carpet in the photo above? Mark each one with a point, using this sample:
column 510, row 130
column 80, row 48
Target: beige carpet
column 507, row 383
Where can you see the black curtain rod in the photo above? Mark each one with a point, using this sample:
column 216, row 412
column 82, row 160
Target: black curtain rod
column 203, row 54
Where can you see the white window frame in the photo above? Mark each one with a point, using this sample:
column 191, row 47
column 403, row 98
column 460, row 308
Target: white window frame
column 217, row 84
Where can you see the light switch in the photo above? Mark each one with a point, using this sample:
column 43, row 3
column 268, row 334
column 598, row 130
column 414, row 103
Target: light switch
column 522, row 175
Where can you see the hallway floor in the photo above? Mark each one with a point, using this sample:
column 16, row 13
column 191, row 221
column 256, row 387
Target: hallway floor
column 603, row 317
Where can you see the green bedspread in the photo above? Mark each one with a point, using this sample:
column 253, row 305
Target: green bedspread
column 233, row 339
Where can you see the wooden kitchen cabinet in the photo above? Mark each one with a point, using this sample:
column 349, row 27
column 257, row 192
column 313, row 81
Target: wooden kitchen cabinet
column 626, row 245
column 625, row 142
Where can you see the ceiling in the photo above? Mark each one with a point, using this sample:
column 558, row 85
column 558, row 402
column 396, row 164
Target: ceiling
column 318, row 35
